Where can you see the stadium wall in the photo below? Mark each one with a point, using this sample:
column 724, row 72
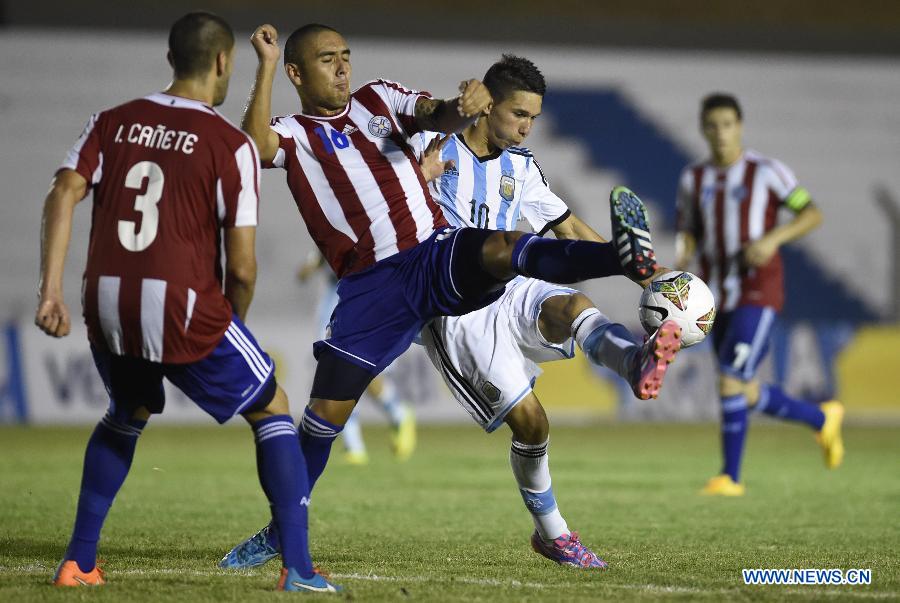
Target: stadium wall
column 610, row 117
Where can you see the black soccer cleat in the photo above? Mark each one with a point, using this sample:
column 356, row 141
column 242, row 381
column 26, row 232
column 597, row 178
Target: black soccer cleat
column 631, row 234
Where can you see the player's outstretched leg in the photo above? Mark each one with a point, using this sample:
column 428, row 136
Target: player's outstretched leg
column 825, row 419
column 631, row 233
column 531, row 468
column 107, row 460
column 610, row 344
column 399, row 414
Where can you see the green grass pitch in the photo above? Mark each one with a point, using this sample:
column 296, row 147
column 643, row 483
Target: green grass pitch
column 450, row 525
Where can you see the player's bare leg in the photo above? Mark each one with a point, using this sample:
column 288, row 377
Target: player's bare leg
column 610, row 344
column 530, row 466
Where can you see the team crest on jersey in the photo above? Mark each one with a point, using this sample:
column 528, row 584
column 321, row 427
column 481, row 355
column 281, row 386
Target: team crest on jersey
column 739, row 192
column 380, row 126
column 676, row 290
column 507, row 187
column 490, row 391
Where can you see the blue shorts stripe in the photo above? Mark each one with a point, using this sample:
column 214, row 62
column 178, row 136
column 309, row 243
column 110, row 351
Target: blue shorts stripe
column 254, row 353
column 243, row 352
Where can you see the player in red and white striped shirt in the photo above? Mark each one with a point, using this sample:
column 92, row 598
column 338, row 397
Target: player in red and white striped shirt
column 356, row 181
column 728, row 209
column 172, row 180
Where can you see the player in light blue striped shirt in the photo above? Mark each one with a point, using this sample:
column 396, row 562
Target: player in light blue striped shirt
column 481, row 177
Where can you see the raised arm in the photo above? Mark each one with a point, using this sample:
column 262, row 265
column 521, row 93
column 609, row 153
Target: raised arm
column 453, row 115
column 66, row 190
column 258, row 111
column 575, row 229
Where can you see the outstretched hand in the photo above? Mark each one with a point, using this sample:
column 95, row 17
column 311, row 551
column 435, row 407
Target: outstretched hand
column 473, row 98
column 52, row 316
column 431, row 164
column 265, row 43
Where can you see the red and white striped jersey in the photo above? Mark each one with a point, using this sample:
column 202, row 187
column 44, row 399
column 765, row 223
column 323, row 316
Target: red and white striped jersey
column 167, row 174
column 355, row 178
column 724, row 208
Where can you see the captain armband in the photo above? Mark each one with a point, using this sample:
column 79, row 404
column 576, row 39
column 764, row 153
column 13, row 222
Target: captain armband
column 798, row 199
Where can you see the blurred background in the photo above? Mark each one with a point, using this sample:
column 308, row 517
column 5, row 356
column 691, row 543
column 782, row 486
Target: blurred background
column 819, row 82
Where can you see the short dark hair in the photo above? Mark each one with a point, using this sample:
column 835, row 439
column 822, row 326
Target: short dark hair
column 293, row 48
column 720, row 100
column 512, row 73
column 194, row 41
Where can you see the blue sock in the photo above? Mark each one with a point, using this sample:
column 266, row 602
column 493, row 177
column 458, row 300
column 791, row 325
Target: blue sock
column 316, row 437
column 282, row 474
column 563, row 261
column 773, row 401
column 734, row 431
column 106, row 463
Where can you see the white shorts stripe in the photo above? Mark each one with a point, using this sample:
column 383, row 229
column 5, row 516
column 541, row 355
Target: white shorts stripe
column 250, row 347
column 247, row 346
column 759, row 340
column 260, row 376
column 153, row 306
column 108, row 309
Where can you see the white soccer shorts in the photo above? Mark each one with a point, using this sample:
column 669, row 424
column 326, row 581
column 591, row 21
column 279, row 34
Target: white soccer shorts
column 489, row 358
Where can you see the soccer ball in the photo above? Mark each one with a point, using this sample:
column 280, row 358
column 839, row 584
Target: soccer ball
column 682, row 297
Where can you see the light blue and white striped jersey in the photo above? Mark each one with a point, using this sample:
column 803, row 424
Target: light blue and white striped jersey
column 495, row 191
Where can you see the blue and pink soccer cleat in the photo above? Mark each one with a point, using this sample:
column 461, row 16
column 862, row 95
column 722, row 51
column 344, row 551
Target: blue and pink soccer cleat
column 291, row 580
column 567, row 550
column 654, row 358
column 631, row 234
column 253, row 552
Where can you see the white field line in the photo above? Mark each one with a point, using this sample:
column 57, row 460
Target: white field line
column 647, row 588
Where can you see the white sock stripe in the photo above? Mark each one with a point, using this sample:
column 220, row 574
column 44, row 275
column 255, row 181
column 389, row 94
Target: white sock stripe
column 251, row 353
column 580, row 320
column 124, row 429
column 251, row 347
column 238, row 346
column 276, row 425
column 313, row 428
column 313, row 422
column 735, row 404
column 521, row 263
column 523, row 446
column 276, row 434
column 281, row 429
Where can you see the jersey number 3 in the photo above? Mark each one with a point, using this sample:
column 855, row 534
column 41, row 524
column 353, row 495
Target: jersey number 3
column 146, row 204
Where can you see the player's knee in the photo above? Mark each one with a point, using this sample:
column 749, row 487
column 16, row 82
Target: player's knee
column 496, row 253
column 335, row 412
column 278, row 405
column 528, row 421
column 731, row 386
column 558, row 313
column 141, row 414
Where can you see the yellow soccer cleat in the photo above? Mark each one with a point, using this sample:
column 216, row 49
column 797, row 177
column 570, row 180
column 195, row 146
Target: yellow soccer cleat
column 357, row 458
column 829, row 438
column 69, row 574
column 722, row 485
column 403, row 437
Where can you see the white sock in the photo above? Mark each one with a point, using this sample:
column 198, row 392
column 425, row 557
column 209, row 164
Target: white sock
column 531, row 468
column 390, row 402
column 604, row 342
column 352, row 434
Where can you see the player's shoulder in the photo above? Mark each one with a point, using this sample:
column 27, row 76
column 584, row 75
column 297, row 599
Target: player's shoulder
column 770, row 165
column 521, row 152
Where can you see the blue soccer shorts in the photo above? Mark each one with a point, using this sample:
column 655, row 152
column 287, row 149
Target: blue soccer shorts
column 235, row 377
column 383, row 308
column 741, row 340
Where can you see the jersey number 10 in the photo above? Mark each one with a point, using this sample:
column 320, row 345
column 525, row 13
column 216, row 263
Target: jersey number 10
column 479, row 214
